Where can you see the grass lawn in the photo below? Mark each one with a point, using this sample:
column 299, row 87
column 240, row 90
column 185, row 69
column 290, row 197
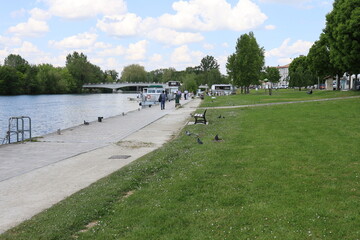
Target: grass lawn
column 280, row 172
column 280, row 95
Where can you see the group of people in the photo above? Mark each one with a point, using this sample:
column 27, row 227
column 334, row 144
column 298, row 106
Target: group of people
column 163, row 98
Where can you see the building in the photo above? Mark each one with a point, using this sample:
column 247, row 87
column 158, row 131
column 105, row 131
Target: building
column 284, row 73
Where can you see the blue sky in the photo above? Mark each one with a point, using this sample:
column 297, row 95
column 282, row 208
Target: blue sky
column 158, row 33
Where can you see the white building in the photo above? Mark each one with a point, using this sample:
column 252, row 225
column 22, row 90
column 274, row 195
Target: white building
column 284, row 73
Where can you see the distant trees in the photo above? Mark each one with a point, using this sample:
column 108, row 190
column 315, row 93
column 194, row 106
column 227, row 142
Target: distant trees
column 337, row 51
column 133, row 73
column 245, row 65
column 300, row 73
column 17, row 76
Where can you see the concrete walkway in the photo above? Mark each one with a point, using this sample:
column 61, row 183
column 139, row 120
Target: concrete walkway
column 36, row 175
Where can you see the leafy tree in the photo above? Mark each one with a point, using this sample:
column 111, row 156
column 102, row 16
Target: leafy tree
column 17, row 62
column 169, row 74
column 82, row 70
column 319, row 58
column 343, row 33
column 133, row 73
column 155, row 75
column 300, row 73
column 189, row 83
column 78, row 67
column 273, row 76
column 9, row 81
column 111, row 75
column 247, row 62
column 208, row 63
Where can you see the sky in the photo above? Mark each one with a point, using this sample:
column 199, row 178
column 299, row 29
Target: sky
column 157, row 33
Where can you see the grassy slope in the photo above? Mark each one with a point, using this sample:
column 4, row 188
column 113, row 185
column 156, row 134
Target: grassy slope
column 285, row 172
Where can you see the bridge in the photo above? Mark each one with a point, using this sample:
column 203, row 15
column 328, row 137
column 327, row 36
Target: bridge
column 115, row 87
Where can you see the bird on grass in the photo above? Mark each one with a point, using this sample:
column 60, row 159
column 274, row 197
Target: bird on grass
column 216, row 138
column 221, row 116
column 188, row 133
column 86, row 123
column 199, row 141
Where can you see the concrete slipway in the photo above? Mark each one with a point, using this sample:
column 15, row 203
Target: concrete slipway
column 36, row 175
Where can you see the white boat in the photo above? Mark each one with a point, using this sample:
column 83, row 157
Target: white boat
column 150, row 95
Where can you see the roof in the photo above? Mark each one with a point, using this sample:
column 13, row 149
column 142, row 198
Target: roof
column 285, row 66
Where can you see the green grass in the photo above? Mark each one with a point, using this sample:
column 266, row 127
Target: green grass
column 280, row 95
column 281, row 172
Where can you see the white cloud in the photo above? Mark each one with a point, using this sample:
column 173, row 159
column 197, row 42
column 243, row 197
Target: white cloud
column 132, row 25
column 74, row 9
column 120, row 25
column 39, row 14
column 9, row 41
column 137, row 51
column 183, row 54
column 102, row 45
column 172, row 37
column 286, row 50
column 81, row 40
column 156, row 58
column 208, row 46
column 31, row 28
column 225, row 45
column 270, row 27
column 18, row 13
column 117, row 51
column 209, row 15
column 27, row 49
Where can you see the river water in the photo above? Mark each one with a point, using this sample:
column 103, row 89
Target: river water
column 51, row 112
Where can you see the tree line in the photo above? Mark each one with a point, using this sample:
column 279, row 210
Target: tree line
column 17, row 76
column 337, row 51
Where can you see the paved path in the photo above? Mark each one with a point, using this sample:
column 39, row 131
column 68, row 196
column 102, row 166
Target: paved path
column 36, row 175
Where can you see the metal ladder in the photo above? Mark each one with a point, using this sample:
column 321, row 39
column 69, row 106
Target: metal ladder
column 18, row 126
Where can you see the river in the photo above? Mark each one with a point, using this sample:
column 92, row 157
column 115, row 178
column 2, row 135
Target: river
column 51, row 112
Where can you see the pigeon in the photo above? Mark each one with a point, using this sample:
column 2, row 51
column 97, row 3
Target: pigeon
column 188, row 133
column 199, row 141
column 86, row 123
column 217, row 138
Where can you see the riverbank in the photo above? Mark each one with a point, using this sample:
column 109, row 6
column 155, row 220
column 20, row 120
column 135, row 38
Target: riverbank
column 279, row 171
column 36, row 175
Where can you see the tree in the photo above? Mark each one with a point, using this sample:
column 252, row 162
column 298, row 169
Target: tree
column 189, row 83
column 343, row 33
column 82, row 70
column 17, row 62
column 133, row 73
column 111, row 75
column 208, row 63
column 247, row 62
column 300, row 73
column 273, row 76
column 9, row 84
column 78, row 67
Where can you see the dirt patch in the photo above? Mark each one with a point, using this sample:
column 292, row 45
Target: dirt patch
column 134, row 144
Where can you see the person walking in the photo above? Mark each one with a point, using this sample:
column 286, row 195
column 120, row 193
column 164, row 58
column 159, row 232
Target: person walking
column 162, row 99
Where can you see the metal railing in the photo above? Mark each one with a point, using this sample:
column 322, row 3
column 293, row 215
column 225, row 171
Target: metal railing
column 19, row 127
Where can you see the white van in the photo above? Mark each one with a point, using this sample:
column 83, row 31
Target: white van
column 222, row 89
